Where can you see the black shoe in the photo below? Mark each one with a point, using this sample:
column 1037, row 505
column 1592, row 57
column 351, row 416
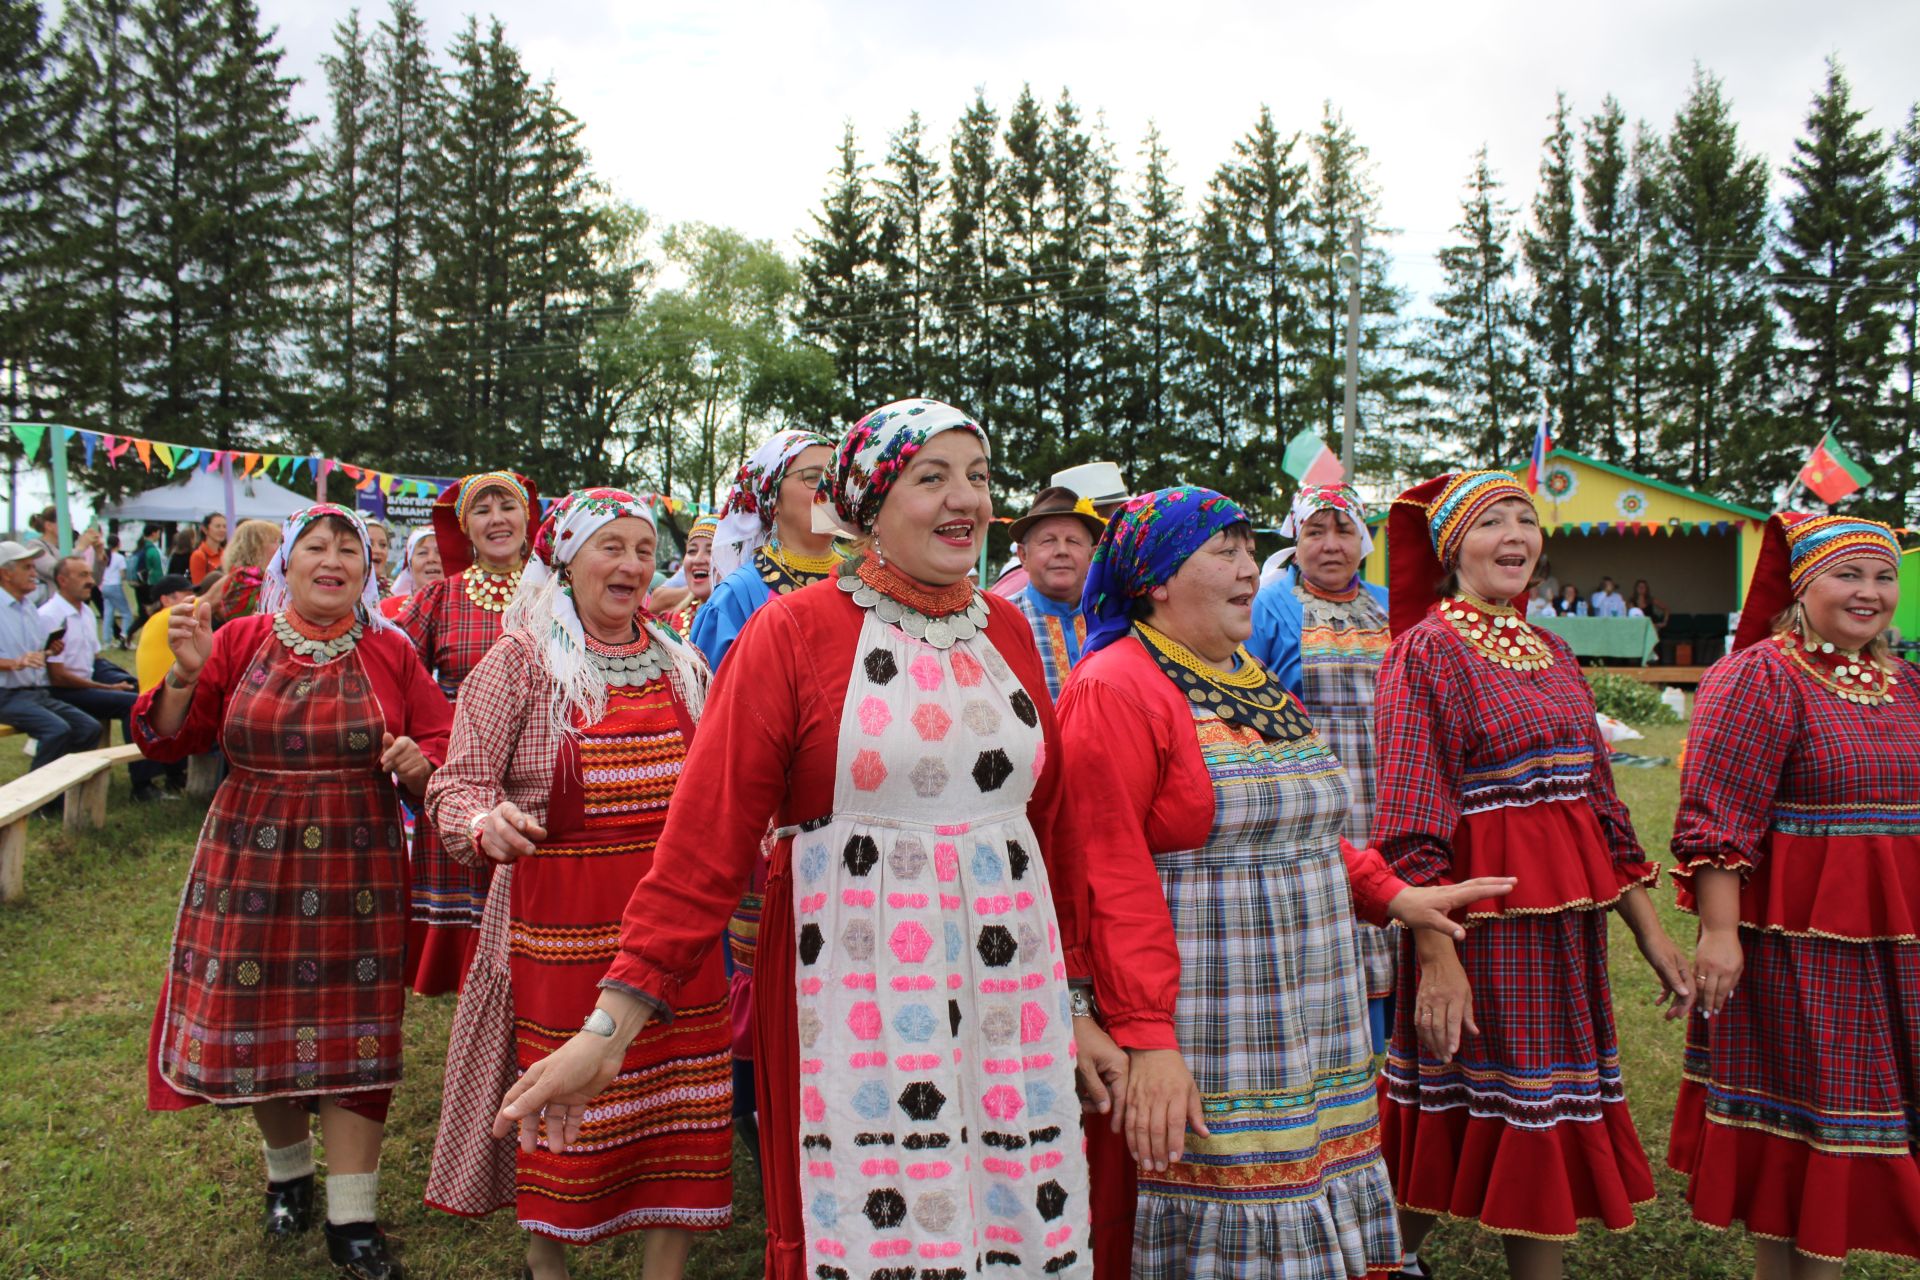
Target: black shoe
column 289, row 1208
column 360, row 1250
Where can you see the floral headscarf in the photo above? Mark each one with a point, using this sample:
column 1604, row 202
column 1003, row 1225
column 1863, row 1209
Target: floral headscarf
column 543, row 606
column 1146, row 542
column 877, row 449
column 275, row 595
column 746, row 517
column 1307, row 503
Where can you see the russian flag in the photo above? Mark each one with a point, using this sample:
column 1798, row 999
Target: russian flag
column 1542, row 445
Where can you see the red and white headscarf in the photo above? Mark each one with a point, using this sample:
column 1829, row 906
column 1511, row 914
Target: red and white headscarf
column 544, row 607
column 1307, row 503
column 275, row 594
column 746, row 517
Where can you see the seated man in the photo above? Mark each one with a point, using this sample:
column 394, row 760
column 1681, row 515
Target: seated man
column 79, row 676
column 1607, row 601
column 26, row 701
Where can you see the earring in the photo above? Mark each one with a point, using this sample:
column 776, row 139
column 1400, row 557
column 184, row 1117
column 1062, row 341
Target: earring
column 878, row 554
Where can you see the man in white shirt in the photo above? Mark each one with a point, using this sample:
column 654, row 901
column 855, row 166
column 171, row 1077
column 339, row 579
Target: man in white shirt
column 26, row 702
column 80, row 677
column 1607, row 602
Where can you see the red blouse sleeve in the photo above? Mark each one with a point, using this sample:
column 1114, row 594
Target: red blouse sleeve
column 1009, row 633
column 1117, row 753
column 488, row 732
column 736, row 778
column 425, row 715
column 419, row 617
column 1744, row 729
column 233, row 647
column 1373, row 883
column 1420, row 721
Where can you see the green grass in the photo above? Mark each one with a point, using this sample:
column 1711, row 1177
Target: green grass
column 93, row 1185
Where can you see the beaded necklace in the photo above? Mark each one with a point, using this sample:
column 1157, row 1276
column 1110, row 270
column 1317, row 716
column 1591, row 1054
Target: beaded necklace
column 1846, row 674
column 785, row 571
column 630, row 665
column 491, row 591
column 318, row 644
column 1247, row 695
column 1332, row 597
column 938, row 615
column 1497, row 633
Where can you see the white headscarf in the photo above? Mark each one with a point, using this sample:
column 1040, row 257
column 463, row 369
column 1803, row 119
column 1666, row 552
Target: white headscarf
column 403, row 581
column 1309, row 501
column 275, row 595
column 543, row 606
column 746, row 517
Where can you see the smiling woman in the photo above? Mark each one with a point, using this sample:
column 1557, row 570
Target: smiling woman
column 481, row 527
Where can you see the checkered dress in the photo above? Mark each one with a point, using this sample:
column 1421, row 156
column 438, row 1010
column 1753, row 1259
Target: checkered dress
column 1805, row 1090
column 452, row 634
column 1342, row 643
column 1271, row 1019
column 1485, row 770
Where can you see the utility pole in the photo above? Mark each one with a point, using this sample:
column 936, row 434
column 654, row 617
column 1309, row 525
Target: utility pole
column 1350, row 268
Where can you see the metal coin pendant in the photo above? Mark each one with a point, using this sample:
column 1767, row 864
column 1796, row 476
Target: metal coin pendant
column 939, row 634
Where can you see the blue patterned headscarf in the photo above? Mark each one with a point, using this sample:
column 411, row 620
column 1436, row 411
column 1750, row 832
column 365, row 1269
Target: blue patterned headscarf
column 1145, row 543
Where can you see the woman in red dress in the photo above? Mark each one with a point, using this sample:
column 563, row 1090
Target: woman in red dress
column 916, row 1077
column 1798, row 842
column 566, row 752
column 284, row 988
column 1503, row 1101
column 481, row 527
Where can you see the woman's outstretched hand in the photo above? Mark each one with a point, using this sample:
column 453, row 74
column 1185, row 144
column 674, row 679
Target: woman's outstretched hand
column 1432, row 906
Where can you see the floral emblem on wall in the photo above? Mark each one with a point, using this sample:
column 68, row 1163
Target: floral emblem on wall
column 1632, row 504
column 1559, row 482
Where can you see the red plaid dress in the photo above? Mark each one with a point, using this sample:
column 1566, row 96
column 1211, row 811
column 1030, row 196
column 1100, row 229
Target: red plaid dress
column 285, row 974
column 1485, row 771
column 1799, row 1110
column 452, row 634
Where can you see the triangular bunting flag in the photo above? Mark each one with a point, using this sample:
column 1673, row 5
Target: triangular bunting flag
column 186, row 459
column 116, row 446
column 253, row 463
column 164, row 451
column 89, row 441
column 145, row 449
column 30, row 434
column 386, row 485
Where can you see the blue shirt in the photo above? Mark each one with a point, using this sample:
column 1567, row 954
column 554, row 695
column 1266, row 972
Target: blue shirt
column 717, row 625
column 22, row 631
column 1048, row 618
column 1277, row 620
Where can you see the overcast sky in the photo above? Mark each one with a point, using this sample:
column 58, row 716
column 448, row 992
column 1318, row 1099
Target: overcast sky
column 730, row 113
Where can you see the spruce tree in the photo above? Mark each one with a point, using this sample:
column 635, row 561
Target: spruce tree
column 345, row 352
column 971, row 330
column 1021, row 293
column 1644, row 301
column 909, row 250
column 1162, row 253
column 1075, row 280
column 1832, row 260
column 1104, row 309
column 840, row 299
column 1903, row 478
column 31, row 165
column 1607, row 237
column 1714, row 327
column 1472, row 347
column 405, row 118
column 1554, row 317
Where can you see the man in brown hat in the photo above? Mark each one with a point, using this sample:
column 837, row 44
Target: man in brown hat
column 1055, row 540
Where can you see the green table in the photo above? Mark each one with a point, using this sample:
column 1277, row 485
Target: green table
column 1631, row 638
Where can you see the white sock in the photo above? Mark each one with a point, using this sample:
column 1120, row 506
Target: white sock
column 284, row 1164
column 350, row 1197
column 1410, row 1265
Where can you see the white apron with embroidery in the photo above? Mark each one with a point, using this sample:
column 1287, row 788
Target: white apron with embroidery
column 939, row 1126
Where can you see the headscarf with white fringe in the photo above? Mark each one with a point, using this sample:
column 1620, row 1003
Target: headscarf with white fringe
column 746, row 517
column 276, row 596
column 543, row 607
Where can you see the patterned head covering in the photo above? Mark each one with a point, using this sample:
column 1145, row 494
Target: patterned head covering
column 1461, row 501
column 275, row 594
column 705, row 527
column 1309, row 502
column 543, row 606
column 403, row 581
column 1425, row 529
column 1796, row 549
column 746, row 516
column 878, row 449
column 456, row 502
column 1145, row 543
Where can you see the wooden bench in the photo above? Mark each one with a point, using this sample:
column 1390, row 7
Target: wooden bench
column 81, row 778
column 1689, row 676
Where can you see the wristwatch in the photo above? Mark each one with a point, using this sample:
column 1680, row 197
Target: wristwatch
column 1080, row 1002
column 599, row 1023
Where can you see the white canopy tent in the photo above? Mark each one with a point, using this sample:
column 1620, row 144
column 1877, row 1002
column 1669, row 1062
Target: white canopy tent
column 203, row 492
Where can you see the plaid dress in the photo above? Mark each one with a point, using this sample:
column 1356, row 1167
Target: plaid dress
column 1799, row 1109
column 1483, row 771
column 452, row 634
column 1342, row 643
column 285, row 973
